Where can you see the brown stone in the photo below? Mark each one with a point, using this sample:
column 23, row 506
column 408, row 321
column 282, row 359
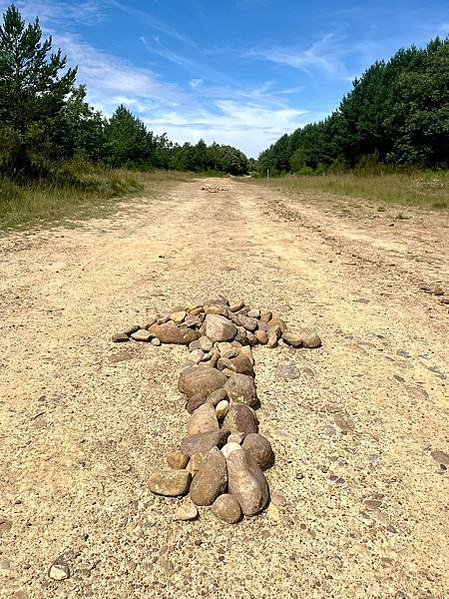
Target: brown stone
column 292, row 339
column 240, row 363
column 260, row 449
column 210, row 480
column 195, row 402
column 240, row 418
column 241, row 388
column 250, row 324
column 141, row 335
column 262, row 337
column 216, row 396
column 277, row 322
column 177, row 460
column 200, row 380
column 219, row 328
column 169, row 332
column 203, row 443
column 227, row 508
column 311, row 341
column 203, row 420
column 120, row 338
column 170, row 483
column 247, row 482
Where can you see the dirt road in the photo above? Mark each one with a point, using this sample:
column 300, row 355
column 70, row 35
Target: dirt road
column 83, row 421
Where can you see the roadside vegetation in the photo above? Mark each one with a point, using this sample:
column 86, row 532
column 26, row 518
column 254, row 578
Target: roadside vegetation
column 61, row 158
column 79, row 192
column 429, row 189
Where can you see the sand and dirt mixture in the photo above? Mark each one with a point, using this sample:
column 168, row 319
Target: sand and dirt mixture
column 359, row 427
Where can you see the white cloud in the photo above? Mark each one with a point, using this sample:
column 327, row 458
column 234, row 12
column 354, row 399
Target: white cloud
column 324, row 55
column 251, row 126
column 50, row 12
column 151, row 21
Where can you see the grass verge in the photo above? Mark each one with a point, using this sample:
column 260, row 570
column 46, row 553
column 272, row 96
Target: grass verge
column 90, row 192
column 427, row 189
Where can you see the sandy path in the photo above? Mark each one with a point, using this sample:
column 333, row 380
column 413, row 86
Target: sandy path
column 83, row 421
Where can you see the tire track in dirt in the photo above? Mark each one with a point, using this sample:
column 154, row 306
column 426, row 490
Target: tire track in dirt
column 82, row 421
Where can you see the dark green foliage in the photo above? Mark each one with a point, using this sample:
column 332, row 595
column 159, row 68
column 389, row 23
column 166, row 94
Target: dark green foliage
column 127, row 141
column 34, row 86
column 199, row 157
column 397, row 113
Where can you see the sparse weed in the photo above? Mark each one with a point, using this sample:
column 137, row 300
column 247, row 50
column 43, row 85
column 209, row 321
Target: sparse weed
column 77, row 192
column 428, row 189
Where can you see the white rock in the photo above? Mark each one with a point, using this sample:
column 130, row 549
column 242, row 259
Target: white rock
column 59, row 571
column 221, row 409
column 229, row 448
column 186, row 512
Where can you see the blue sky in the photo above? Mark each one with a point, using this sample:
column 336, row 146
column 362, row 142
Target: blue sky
column 241, row 72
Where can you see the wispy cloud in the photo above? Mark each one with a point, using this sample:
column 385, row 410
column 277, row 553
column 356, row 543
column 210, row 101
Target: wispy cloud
column 325, row 55
column 151, row 21
column 66, row 13
column 193, row 66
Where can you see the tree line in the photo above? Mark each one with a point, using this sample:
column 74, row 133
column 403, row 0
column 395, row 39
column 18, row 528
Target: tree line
column 397, row 114
column 45, row 118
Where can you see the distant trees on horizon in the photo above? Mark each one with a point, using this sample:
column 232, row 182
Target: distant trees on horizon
column 45, row 119
column 397, row 114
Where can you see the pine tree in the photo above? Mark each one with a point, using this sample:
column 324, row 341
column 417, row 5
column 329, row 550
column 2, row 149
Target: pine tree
column 128, row 143
column 34, row 86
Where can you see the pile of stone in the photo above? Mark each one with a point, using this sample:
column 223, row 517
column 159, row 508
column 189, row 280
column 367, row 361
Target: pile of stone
column 213, row 189
column 221, row 461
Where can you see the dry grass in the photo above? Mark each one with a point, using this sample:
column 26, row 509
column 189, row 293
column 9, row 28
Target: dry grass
column 90, row 192
column 427, row 189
